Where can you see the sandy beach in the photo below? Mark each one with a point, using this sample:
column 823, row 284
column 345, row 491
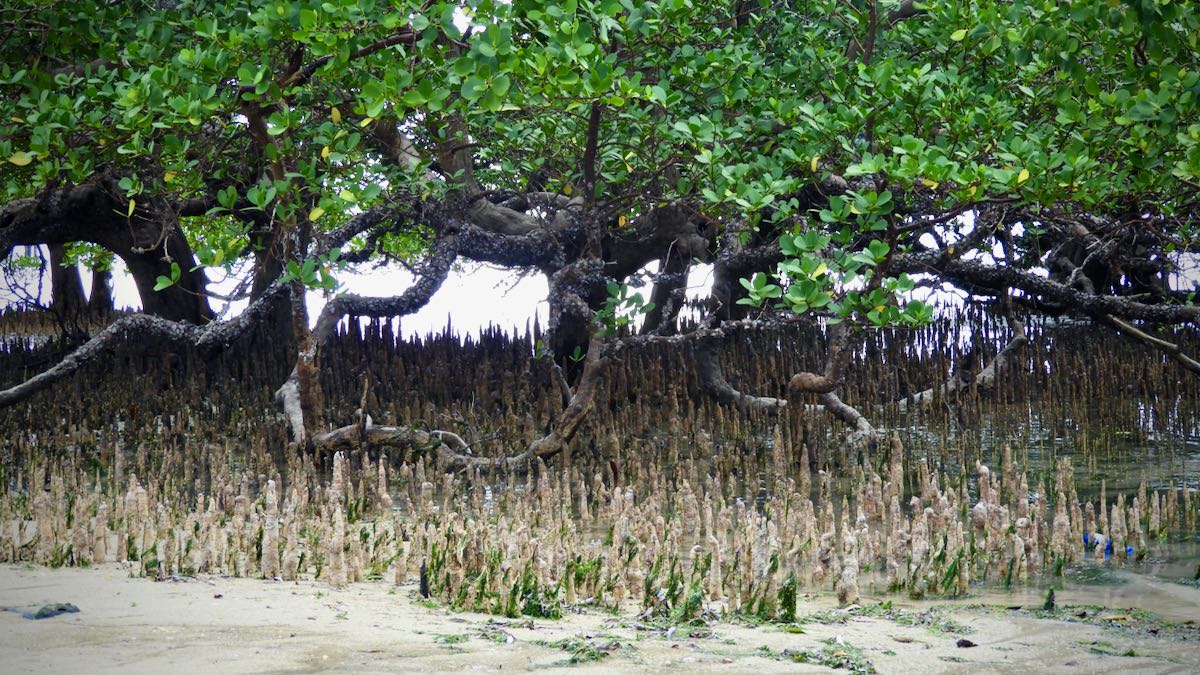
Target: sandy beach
column 227, row 625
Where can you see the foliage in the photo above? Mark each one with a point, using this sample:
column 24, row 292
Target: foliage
column 271, row 109
column 621, row 307
column 833, row 653
column 828, row 157
column 451, row 638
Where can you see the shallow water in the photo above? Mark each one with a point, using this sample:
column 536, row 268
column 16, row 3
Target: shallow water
column 1116, row 451
column 1094, row 585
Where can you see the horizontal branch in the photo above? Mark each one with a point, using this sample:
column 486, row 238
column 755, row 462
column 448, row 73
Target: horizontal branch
column 1171, row 349
column 404, row 35
column 412, row 299
column 145, row 327
column 537, row 248
column 997, row 277
column 452, row 450
column 985, row 378
column 139, row 329
column 713, row 382
column 862, row 429
column 450, row 447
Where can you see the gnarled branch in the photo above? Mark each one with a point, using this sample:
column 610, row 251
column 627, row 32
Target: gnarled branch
column 144, row 327
column 996, row 277
column 289, row 395
column 986, row 377
column 713, row 382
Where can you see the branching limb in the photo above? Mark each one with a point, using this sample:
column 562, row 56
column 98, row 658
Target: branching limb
column 571, row 418
column 143, row 326
column 560, row 379
column 139, row 329
column 905, row 10
column 827, row 384
column 985, row 378
column 713, row 382
column 973, row 272
column 835, row 364
column 289, row 395
column 1171, row 349
column 863, row 430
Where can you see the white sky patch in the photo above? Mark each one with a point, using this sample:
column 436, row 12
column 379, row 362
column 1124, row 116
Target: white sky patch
column 473, row 297
column 476, row 296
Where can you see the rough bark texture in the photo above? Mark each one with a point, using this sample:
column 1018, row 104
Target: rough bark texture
column 578, row 246
column 299, row 396
column 997, row 278
column 100, row 301
column 66, row 286
column 148, row 240
column 712, row 380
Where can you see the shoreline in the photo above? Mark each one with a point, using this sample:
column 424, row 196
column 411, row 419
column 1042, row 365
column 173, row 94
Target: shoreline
column 232, row 625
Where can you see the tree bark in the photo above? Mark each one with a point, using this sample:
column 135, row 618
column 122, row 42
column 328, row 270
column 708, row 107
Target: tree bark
column 100, row 300
column 148, row 240
column 66, row 286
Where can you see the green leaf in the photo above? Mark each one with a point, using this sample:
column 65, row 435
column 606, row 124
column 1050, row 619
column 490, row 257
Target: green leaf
column 413, row 98
column 958, row 35
column 500, row 85
column 473, row 88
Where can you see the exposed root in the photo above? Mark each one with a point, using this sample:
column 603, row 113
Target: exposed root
column 835, row 364
column 1169, row 348
column 570, row 419
column 996, row 277
column 985, row 378
column 827, row 384
column 137, row 330
column 713, row 381
column 289, row 395
column 863, row 430
column 454, row 453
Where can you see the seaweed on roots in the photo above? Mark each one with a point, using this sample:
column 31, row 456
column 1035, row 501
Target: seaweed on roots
column 664, row 501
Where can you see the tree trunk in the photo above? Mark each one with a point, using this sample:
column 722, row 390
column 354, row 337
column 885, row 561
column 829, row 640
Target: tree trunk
column 100, row 301
column 149, row 239
column 66, row 287
column 668, row 295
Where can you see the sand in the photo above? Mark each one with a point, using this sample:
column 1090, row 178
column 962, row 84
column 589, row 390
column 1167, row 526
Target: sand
column 225, row 625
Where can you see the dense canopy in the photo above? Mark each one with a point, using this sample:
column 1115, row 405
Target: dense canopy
column 826, row 157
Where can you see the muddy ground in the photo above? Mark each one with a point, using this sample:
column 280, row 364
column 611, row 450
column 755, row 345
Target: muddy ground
column 217, row 624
